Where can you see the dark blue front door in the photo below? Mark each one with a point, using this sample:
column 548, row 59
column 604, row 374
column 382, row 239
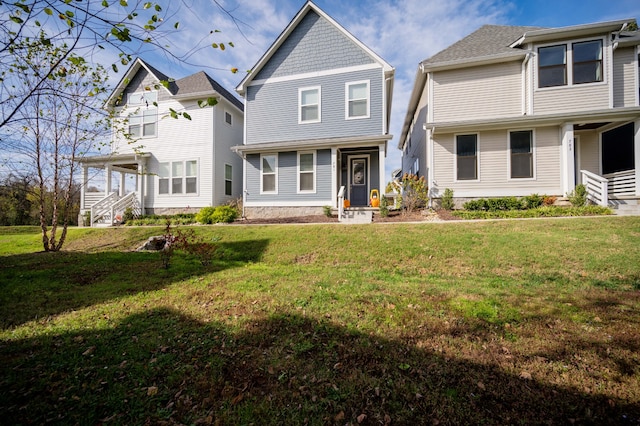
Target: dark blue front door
column 359, row 182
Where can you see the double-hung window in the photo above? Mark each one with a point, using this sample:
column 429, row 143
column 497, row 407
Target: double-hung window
column 178, row 177
column 570, row 64
column 228, row 179
column 143, row 121
column 306, row 172
column 552, row 66
column 521, row 153
column 587, row 61
column 467, row 157
column 310, row 105
column 269, row 173
column 357, row 94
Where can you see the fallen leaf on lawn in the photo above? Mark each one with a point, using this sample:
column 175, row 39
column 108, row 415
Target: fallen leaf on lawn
column 525, row 375
column 339, row 416
column 270, row 370
column 237, row 399
column 481, row 386
column 89, row 351
column 152, row 390
column 387, row 419
column 361, row 418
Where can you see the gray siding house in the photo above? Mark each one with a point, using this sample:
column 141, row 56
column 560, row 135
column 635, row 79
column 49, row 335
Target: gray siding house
column 512, row 111
column 317, row 110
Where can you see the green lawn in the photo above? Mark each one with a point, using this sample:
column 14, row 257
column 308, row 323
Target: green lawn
column 495, row 322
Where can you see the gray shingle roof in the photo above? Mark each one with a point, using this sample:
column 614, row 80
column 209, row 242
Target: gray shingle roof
column 488, row 40
column 200, row 82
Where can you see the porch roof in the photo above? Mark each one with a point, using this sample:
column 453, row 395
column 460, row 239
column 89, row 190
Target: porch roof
column 584, row 117
column 294, row 145
column 114, row 159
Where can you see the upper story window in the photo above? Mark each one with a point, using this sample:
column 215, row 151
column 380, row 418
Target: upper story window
column 467, row 157
column 569, row 64
column 269, row 172
column 228, row 118
column 357, row 94
column 587, row 61
column 552, row 68
column 310, row 105
column 143, row 120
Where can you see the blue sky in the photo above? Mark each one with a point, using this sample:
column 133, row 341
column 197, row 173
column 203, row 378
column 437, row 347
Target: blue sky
column 403, row 32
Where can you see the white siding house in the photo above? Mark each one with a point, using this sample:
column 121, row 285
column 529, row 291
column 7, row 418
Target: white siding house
column 166, row 164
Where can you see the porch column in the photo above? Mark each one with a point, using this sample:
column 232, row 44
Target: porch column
column 83, row 187
column 636, row 148
column 122, row 183
column 568, row 167
column 107, row 184
column 334, row 177
column 140, row 186
column 382, row 159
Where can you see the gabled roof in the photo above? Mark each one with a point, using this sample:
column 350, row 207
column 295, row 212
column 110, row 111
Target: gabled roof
column 198, row 84
column 201, row 83
column 128, row 76
column 308, row 6
column 488, row 42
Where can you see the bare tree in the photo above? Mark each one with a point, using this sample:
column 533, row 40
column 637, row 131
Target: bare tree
column 55, row 126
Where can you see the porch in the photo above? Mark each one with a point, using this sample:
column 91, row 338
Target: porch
column 107, row 206
column 616, row 190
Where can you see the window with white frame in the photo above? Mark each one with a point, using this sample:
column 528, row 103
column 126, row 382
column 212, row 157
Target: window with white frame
column 269, row 173
column 521, row 153
column 584, row 58
column 178, row 177
column 228, row 179
column 143, row 120
column 306, row 172
column 310, row 105
column 467, row 157
column 357, row 94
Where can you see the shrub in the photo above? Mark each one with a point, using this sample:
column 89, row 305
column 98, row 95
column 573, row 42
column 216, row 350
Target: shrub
column 578, row 197
column 327, row 211
column 384, row 207
column 548, row 200
column 220, row 214
column 475, row 205
column 415, row 192
column 447, row 199
column 533, row 201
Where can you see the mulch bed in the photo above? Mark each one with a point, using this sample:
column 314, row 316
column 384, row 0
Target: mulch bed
column 394, row 216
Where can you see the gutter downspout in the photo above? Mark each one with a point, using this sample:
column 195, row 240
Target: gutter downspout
column 524, row 82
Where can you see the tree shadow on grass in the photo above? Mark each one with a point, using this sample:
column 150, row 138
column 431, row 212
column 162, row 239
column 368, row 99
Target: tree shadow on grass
column 39, row 285
column 162, row 366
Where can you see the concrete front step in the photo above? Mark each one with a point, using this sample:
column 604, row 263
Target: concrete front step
column 357, row 215
column 625, row 206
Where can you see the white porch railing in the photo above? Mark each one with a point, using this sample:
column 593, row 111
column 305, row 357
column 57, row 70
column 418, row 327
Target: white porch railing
column 622, row 184
column 110, row 209
column 341, row 204
column 597, row 188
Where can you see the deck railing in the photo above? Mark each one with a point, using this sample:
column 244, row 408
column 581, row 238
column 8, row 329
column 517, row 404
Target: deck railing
column 622, row 184
column 597, row 188
column 110, row 209
column 341, row 204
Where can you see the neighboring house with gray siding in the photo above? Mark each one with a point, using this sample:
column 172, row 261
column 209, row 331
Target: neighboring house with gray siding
column 317, row 110
column 167, row 165
column 512, row 111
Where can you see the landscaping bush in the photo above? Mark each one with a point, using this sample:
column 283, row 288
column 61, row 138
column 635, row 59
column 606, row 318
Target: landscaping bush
column 447, row 199
column 578, row 197
column 327, row 211
column 533, row 201
column 415, row 192
column 220, row 214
